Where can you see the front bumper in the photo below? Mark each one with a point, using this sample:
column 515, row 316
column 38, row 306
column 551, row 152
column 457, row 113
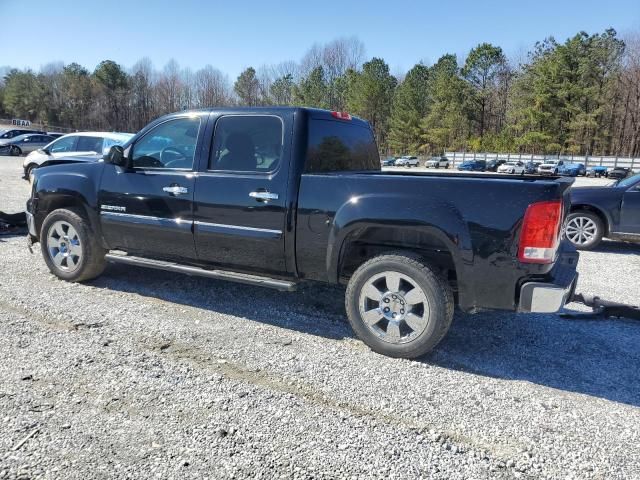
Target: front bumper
column 550, row 297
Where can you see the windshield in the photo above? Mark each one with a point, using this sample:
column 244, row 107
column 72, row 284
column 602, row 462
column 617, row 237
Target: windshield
column 627, row 182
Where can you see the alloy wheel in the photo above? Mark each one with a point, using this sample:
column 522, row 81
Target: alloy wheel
column 63, row 246
column 394, row 307
column 581, row 230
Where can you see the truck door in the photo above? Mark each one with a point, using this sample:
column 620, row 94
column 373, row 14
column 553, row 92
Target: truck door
column 630, row 210
column 240, row 194
column 147, row 209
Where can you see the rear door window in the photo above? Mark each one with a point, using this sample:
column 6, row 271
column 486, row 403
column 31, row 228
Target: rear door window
column 340, row 146
column 89, row 144
column 247, row 143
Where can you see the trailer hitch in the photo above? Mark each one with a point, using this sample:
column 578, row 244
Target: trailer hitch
column 601, row 309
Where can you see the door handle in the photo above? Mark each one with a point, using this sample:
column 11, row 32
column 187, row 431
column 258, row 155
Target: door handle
column 175, row 189
column 263, row 195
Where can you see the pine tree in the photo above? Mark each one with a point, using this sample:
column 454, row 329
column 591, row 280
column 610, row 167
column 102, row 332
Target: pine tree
column 410, row 104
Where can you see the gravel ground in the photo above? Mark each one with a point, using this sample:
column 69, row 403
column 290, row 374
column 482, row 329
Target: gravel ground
column 153, row 375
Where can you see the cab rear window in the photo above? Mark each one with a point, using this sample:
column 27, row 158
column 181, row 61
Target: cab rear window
column 336, row 146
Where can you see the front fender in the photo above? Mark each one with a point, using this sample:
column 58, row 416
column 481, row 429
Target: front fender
column 58, row 187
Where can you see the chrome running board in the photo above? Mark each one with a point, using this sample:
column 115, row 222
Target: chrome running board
column 282, row 285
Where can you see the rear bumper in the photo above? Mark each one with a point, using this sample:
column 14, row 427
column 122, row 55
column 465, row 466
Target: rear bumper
column 550, row 297
column 31, row 224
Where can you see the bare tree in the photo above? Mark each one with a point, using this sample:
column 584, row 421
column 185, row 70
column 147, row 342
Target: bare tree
column 212, row 88
column 141, row 98
column 169, row 88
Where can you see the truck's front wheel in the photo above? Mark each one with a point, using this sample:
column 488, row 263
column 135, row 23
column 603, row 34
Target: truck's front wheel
column 398, row 306
column 69, row 247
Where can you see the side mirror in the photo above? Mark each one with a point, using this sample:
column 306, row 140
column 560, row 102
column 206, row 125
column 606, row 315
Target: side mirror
column 116, row 157
column 46, row 151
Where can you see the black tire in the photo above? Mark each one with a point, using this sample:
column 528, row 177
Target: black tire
column 599, row 225
column 437, row 292
column 30, row 169
column 15, row 151
column 91, row 262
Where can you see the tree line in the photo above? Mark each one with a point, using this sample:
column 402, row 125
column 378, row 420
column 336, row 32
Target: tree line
column 581, row 96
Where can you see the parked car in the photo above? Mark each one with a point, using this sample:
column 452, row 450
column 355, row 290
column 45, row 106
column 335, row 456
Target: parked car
column 389, row 162
column 611, row 211
column 620, row 173
column 531, row 167
column 473, row 166
column 598, row 171
column 275, row 196
column 23, row 144
column 55, row 134
column 407, row 161
column 14, row 132
column 572, row 169
column 550, row 167
column 494, row 164
column 437, row 162
column 74, row 145
column 512, row 166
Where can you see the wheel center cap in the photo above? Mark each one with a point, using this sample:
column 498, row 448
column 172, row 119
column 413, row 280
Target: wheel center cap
column 393, row 306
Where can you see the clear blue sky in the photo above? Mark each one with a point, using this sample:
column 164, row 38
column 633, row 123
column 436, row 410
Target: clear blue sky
column 232, row 35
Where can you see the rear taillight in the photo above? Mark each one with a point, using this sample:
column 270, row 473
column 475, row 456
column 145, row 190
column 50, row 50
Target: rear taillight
column 540, row 233
column 341, row 115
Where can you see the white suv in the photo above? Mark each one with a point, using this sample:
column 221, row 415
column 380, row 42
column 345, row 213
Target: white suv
column 437, row 162
column 550, row 167
column 407, row 161
column 81, row 144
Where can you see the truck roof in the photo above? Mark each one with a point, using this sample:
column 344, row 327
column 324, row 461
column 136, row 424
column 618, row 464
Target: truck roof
column 316, row 113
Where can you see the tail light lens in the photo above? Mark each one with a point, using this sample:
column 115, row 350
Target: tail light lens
column 540, row 233
column 341, row 115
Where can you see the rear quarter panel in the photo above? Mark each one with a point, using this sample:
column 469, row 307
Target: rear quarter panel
column 478, row 218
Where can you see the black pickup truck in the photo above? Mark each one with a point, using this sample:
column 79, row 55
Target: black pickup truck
column 276, row 196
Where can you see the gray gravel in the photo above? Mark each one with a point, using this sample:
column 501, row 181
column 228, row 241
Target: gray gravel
column 145, row 374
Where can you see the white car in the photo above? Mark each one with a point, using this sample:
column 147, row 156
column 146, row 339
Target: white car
column 437, row 162
column 512, row 166
column 81, row 144
column 407, row 161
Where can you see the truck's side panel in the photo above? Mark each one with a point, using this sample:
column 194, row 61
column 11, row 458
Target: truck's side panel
column 476, row 220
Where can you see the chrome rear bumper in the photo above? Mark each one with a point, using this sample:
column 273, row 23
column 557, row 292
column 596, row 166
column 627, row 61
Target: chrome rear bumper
column 537, row 297
column 551, row 296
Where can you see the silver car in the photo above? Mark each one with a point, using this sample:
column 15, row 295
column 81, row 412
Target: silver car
column 24, row 144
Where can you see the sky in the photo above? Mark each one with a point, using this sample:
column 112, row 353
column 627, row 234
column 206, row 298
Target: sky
column 232, row 35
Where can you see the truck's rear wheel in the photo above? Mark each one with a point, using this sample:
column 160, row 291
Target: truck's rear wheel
column 398, row 306
column 69, row 247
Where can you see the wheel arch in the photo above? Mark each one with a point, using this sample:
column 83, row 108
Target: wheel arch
column 54, row 201
column 583, row 207
column 428, row 244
